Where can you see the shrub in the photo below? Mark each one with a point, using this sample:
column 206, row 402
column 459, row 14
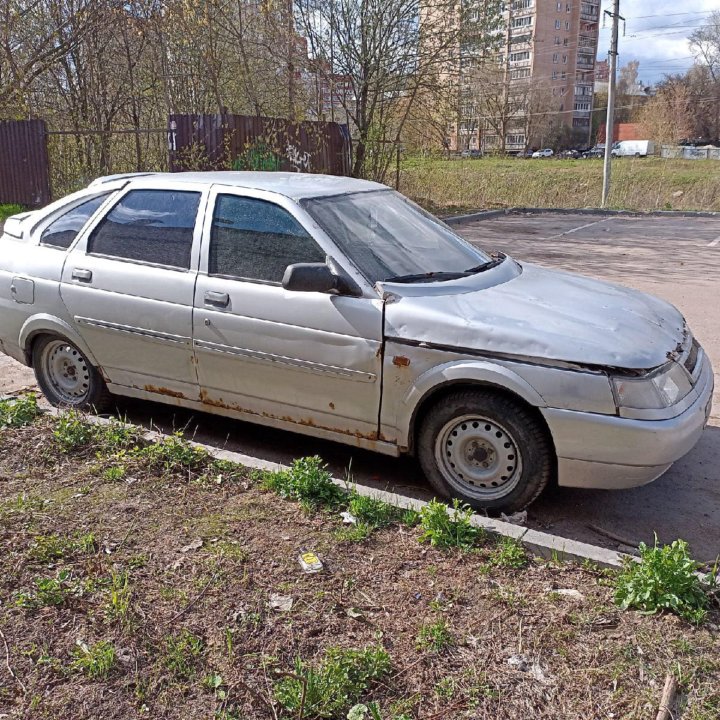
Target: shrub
column 664, row 579
column 73, row 431
column 444, row 528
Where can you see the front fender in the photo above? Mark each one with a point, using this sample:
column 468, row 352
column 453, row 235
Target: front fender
column 454, row 373
column 44, row 324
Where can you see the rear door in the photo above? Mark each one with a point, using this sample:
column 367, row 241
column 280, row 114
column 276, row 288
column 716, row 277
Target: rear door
column 128, row 285
column 306, row 357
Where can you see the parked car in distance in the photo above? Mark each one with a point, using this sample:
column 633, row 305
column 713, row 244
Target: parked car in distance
column 633, row 148
column 337, row 308
column 547, row 152
column 570, row 154
column 470, row 154
column 595, row 152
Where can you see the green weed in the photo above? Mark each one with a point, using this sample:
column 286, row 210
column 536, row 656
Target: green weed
column 664, row 579
column 174, row 454
column 435, row 636
column 95, row 661
column 445, row 528
column 72, row 431
column 119, row 598
column 18, row 412
column 307, row 481
column 183, row 653
column 49, row 548
column 509, row 553
column 114, row 473
column 48, row 591
column 335, row 685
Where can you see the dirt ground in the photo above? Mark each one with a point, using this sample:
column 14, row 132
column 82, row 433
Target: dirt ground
column 171, row 566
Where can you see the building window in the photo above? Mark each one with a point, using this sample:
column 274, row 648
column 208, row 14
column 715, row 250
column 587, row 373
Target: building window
column 559, row 7
column 521, row 21
column 520, row 56
column 564, row 59
column 563, row 75
column 565, row 42
column 556, row 58
column 563, row 91
column 582, row 106
column 568, row 7
column 558, row 24
column 520, row 74
column 567, row 25
column 554, row 74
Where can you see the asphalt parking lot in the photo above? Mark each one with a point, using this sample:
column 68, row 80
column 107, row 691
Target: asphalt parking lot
column 676, row 258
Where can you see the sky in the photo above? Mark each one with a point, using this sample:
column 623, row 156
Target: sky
column 656, row 34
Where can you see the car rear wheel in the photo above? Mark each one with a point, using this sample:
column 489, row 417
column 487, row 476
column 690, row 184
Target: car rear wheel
column 486, row 449
column 66, row 376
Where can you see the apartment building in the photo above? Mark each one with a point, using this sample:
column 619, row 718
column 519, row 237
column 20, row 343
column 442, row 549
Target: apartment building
column 544, row 73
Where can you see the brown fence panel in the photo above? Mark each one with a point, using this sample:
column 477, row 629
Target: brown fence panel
column 246, row 142
column 24, row 167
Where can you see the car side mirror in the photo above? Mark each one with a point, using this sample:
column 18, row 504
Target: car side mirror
column 309, row 277
column 319, row 277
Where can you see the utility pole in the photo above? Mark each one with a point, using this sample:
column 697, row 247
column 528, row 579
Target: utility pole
column 610, row 122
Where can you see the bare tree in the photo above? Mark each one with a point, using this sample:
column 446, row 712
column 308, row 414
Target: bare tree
column 387, row 56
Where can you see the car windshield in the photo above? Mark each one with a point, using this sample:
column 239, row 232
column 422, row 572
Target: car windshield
column 390, row 238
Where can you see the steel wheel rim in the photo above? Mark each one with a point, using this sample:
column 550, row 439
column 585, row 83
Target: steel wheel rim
column 478, row 457
column 67, row 372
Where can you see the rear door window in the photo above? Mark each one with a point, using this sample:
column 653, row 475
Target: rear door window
column 149, row 226
column 61, row 232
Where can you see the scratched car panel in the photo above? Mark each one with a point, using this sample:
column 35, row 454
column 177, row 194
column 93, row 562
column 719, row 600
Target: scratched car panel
column 337, row 308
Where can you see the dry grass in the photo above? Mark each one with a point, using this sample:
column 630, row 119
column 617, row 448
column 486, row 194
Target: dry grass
column 149, row 622
column 642, row 184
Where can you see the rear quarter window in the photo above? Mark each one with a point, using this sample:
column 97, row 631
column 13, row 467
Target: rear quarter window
column 61, row 232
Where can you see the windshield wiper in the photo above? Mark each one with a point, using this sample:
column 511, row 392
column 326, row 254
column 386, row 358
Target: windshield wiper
column 487, row 265
column 425, row 277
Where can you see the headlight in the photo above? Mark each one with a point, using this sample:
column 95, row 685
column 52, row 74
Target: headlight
column 663, row 388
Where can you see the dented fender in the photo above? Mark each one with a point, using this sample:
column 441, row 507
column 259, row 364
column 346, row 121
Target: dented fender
column 42, row 324
column 455, row 372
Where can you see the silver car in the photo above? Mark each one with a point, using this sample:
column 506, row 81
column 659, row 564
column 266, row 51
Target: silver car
column 337, row 308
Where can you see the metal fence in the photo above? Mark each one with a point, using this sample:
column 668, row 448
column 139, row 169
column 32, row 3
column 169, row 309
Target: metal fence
column 690, row 153
column 244, row 142
column 24, row 165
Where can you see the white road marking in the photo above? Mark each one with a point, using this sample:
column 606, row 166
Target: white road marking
column 581, row 227
column 714, row 242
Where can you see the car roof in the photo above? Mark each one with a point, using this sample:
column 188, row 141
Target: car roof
column 292, row 185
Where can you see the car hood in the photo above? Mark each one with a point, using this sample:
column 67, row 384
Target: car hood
column 534, row 312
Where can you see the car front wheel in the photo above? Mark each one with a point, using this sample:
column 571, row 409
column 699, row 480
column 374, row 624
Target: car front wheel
column 66, row 376
column 486, row 449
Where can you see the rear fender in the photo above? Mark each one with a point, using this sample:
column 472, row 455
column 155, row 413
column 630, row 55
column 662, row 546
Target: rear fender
column 43, row 324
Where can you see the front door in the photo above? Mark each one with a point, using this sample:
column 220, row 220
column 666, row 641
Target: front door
column 129, row 285
column 306, row 357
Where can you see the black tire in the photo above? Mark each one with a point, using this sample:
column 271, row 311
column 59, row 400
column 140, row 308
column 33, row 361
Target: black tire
column 487, row 434
column 81, row 387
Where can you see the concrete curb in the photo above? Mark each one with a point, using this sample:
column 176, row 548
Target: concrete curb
column 597, row 212
column 538, row 543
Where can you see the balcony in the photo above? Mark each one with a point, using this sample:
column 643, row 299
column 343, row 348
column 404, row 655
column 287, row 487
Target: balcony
column 589, row 11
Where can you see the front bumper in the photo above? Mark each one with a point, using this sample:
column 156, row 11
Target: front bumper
column 609, row 452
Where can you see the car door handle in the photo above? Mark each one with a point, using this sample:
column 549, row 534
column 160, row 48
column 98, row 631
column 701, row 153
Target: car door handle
column 83, row 275
column 217, row 299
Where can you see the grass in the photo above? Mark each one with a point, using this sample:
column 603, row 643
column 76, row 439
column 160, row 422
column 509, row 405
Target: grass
column 665, row 578
column 644, row 184
column 107, row 598
column 435, row 637
column 7, row 210
column 95, row 661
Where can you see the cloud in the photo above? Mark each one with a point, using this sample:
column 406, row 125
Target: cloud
column 656, row 34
